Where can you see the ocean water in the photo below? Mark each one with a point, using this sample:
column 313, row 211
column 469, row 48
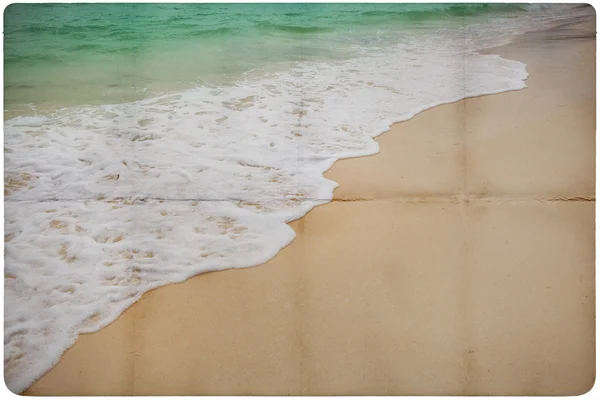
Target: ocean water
column 148, row 143
column 59, row 55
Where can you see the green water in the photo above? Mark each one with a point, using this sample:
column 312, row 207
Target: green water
column 59, row 55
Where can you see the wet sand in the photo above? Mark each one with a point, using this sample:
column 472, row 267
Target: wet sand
column 459, row 260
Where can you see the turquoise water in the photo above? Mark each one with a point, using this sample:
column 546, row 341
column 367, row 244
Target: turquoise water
column 68, row 54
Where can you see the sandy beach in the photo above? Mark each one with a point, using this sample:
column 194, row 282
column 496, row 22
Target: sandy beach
column 457, row 261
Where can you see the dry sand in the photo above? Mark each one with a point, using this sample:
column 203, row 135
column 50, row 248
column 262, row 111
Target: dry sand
column 459, row 260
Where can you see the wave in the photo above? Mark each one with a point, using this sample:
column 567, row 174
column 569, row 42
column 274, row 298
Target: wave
column 213, row 32
column 85, row 46
column 62, row 29
column 293, row 28
column 446, row 11
column 133, row 49
column 33, row 59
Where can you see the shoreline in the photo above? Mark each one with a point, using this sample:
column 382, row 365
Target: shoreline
column 451, row 175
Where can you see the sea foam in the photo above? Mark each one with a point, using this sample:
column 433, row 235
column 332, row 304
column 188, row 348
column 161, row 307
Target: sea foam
column 107, row 202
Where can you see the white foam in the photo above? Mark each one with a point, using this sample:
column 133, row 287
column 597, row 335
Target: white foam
column 108, row 202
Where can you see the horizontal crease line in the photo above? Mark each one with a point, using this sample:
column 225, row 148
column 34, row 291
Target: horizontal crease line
column 454, row 199
column 416, row 198
column 145, row 199
column 573, row 199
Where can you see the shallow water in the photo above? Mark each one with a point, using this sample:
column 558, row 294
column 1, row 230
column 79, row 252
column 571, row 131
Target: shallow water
column 61, row 55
